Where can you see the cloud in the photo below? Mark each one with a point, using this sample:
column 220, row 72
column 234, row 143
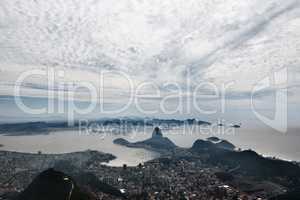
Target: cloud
column 183, row 42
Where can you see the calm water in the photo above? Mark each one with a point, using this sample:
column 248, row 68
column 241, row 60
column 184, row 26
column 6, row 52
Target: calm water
column 262, row 140
column 71, row 141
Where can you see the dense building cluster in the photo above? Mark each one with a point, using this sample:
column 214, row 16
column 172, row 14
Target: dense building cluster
column 165, row 178
column 168, row 177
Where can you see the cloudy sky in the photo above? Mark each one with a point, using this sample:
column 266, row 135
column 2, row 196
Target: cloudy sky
column 183, row 43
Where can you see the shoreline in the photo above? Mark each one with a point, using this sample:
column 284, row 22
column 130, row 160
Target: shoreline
column 19, row 169
column 153, row 150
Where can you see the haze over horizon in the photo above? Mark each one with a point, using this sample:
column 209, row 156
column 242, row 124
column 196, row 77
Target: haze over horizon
column 173, row 45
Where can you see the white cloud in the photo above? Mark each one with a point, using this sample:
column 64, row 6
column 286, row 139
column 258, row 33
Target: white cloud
column 172, row 40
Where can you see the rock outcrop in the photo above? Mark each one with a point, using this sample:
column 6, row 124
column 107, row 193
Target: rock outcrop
column 157, row 142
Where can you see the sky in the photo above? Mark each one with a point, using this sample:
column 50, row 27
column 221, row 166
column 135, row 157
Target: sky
column 159, row 52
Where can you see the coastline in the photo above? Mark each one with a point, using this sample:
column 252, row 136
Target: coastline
column 193, row 160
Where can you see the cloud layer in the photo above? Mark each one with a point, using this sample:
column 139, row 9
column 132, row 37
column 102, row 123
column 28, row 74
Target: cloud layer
column 219, row 41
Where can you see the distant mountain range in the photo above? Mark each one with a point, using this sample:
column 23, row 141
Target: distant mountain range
column 45, row 127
